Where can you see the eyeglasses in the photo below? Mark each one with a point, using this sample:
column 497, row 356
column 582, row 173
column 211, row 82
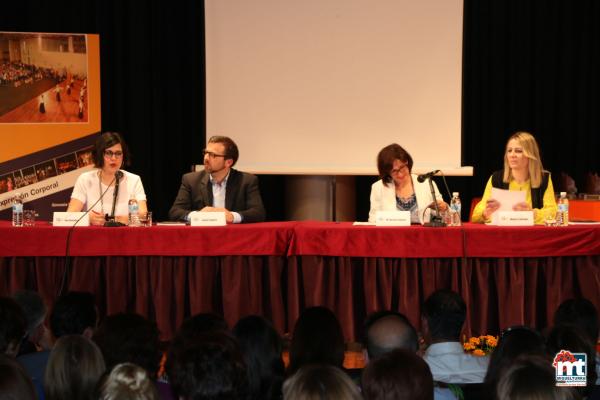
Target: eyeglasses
column 212, row 155
column 111, row 154
column 396, row 171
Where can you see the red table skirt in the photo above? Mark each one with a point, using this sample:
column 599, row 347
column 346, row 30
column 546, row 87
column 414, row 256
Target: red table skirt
column 507, row 276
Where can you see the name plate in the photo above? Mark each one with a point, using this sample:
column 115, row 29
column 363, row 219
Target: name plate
column 203, row 218
column 513, row 218
column 70, row 218
column 392, row 218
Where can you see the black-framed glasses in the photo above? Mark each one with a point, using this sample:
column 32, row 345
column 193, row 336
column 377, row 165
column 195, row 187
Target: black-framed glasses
column 212, row 155
column 111, row 154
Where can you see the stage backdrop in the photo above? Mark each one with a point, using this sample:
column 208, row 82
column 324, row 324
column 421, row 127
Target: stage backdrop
column 49, row 116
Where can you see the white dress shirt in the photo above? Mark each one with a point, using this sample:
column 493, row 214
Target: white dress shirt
column 450, row 364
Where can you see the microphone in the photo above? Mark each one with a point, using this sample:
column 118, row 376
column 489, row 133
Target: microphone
column 110, row 219
column 421, row 178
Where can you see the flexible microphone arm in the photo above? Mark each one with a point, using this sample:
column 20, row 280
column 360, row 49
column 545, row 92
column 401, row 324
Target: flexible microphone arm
column 435, row 221
column 110, row 219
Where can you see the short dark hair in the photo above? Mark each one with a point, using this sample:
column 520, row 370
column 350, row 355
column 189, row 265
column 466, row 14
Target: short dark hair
column 386, row 158
column 13, row 323
column 73, row 313
column 231, row 149
column 129, row 337
column 211, row 368
column 397, row 375
column 317, row 339
column 389, row 330
column 445, row 312
column 106, row 140
column 33, row 307
column 580, row 312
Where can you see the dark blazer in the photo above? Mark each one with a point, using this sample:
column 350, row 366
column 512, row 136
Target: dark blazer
column 242, row 196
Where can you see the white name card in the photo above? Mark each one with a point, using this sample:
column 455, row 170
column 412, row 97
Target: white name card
column 392, row 218
column 70, row 218
column 203, row 218
column 513, row 218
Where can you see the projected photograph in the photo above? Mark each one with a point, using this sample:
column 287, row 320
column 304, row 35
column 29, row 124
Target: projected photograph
column 43, row 78
column 66, row 163
column 84, row 157
column 7, row 183
column 29, row 176
column 45, row 170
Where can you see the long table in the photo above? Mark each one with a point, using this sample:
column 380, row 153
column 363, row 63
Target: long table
column 507, row 275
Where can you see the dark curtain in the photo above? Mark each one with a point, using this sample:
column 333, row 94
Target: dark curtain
column 528, row 65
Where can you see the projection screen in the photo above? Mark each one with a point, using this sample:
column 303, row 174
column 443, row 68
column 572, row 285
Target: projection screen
column 320, row 86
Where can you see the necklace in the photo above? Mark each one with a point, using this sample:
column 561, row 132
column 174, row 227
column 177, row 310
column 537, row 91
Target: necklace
column 100, row 192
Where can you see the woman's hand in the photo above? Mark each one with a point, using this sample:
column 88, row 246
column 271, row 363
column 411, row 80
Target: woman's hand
column 522, row 206
column 490, row 207
column 96, row 218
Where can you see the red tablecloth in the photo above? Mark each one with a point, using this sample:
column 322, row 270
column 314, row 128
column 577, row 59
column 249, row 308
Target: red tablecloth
column 531, row 241
column 344, row 239
column 269, row 238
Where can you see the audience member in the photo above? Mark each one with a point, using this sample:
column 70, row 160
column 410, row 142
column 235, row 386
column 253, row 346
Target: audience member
column 74, row 313
column 129, row 337
column 127, row 382
column 531, row 377
column 74, row 368
column 397, row 375
column 319, row 382
column 443, row 316
column 514, row 342
column 387, row 331
column 13, row 326
column 37, row 336
column 261, row 348
column 583, row 314
column 14, row 382
column 573, row 339
column 308, row 347
column 209, row 368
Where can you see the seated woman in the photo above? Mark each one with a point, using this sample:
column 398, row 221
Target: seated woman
column 398, row 189
column 110, row 154
column 522, row 171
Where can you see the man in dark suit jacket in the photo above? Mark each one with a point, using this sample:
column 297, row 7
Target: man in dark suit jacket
column 219, row 187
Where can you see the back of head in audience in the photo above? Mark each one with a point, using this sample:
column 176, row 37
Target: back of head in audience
column 13, row 326
column 74, row 313
column 14, row 382
column 514, row 342
column 317, row 339
column 531, row 377
column 200, row 324
column 573, row 339
column 127, row 382
column 397, row 375
column 129, row 337
column 74, row 368
column 443, row 315
column 387, row 331
column 35, row 312
column 209, row 368
column 261, row 348
column 317, row 382
column 581, row 313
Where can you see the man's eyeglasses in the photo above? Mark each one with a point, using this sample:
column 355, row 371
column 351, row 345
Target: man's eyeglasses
column 212, row 155
column 111, row 154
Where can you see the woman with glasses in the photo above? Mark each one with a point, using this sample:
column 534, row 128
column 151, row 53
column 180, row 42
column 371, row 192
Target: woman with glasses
column 523, row 171
column 95, row 189
column 398, row 189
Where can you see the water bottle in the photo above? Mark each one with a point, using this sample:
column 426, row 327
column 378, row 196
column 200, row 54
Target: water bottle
column 455, row 209
column 562, row 216
column 134, row 216
column 17, row 210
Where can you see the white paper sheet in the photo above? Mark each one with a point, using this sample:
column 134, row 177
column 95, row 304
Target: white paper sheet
column 507, row 198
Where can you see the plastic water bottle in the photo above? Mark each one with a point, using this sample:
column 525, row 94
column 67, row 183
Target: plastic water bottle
column 562, row 216
column 17, row 210
column 134, row 215
column 455, row 209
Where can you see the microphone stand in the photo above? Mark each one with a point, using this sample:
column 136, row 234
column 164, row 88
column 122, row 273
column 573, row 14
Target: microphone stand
column 435, row 221
column 111, row 222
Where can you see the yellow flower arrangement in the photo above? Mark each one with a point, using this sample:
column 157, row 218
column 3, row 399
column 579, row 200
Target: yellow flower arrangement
column 480, row 345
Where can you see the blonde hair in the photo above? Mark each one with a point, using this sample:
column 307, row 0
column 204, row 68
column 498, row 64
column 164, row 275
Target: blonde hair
column 532, row 152
column 128, row 381
column 316, row 382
